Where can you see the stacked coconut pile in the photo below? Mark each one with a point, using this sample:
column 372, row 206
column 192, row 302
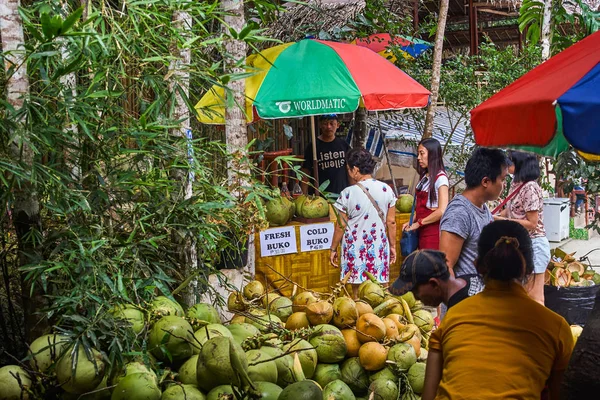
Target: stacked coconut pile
column 308, row 347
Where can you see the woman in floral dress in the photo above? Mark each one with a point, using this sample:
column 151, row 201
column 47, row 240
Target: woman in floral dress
column 368, row 239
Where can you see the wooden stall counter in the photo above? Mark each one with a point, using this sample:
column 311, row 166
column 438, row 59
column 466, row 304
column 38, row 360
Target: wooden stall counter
column 309, row 269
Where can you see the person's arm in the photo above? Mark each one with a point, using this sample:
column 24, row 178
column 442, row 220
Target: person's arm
column 433, row 374
column 338, row 233
column 391, row 228
column 530, row 221
column 554, row 382
column 451, row 244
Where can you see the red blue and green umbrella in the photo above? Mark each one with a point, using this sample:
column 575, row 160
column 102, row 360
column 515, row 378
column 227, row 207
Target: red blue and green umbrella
column 315, row 77
column 552, row 107
column 381, row 42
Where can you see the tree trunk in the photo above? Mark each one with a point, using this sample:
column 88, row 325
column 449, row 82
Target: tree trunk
column 546, row 35
column 26, row 207
column 359, row 138
column 236, row 134
column 581, row 380
column 436, row 68
column 180, row 82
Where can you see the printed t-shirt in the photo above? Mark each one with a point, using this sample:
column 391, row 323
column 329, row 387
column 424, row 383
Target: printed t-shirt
column 529, row 198
column 500, row 344
column 474, row 285
column 466, row 220
column 365, row 245
column 331, row 161
column 424, row 184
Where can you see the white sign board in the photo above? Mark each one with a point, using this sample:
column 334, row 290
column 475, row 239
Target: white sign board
column 277, row 241
column 316, row 236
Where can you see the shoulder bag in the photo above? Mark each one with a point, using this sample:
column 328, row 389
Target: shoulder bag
column 410, row 239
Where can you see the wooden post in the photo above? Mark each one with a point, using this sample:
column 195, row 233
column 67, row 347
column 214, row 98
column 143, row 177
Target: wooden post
column 415, row 15
column 473, row 34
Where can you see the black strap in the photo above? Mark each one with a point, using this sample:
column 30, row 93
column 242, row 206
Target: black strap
column 373, row 202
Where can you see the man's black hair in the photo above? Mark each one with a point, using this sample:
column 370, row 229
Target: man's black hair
column 484, row 163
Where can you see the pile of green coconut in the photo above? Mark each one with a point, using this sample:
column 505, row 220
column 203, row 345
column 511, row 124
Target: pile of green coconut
column 280, row 210
column 312, row 346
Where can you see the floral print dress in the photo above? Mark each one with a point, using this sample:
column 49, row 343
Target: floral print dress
column 365, row 245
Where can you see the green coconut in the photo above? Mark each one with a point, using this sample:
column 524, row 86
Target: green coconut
column 281, row 307
column 424, row 320
column 241, row 332
column 301, row 300
column 403, row 355
column 203, row 314
column 236, row 302
column 307, row 355
column 404, row 203
column 329, row 343
column 355, row 376
column 46, row 350
column 265, row 323
column 87, row 375
column 326, row 373
column 100, row 392
column 372, row 293
column 178, row 392
column 385, row 373
column 10, row 389
column 423, row 356
column 277, row 212
column 298, row 202
column 220, row 392
column 187, row 371
column 134, row 367
column 409, row 297
column 253, row 290
column 214, row 363
column 268, row 390
column 131, row 314
column 209, row 331
column 315, row 207
column 304, row 390
column 138, row 386
column 416, row 377
column 345, row 313
column 162, row 306
column 171, row 338
column 259, row 369
column 290, row 206
column 337, row 390
column 383, row 389
column 285, row 374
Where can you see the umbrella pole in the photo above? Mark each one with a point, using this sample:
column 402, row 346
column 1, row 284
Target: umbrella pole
column 387, row 157
column 314, row 151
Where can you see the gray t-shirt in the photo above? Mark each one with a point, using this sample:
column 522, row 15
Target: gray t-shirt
column 466, row 220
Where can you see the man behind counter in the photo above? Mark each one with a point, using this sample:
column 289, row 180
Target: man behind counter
column 331, row 157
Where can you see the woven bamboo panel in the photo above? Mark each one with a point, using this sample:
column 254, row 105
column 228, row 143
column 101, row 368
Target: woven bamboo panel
column 310, row 270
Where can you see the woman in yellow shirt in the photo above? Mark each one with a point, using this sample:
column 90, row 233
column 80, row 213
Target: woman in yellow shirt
column 500, row 343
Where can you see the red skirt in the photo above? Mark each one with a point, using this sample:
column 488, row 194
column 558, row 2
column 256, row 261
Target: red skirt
column 429, row 236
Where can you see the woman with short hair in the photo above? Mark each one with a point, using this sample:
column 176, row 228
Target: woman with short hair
column 366, row 223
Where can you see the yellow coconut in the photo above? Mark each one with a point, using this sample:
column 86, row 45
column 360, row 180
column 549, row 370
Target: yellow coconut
column 391, row 329
column 253, row 290
column 301, row 300
column 372, row 356
column 399, row 320
column 344, row 312
column 363, row 308
column 409, row 331
column 268, row 298
column 352, row 342
column 297, row 320
column 319, row 312
column 238, row 319
column 370, row 328
column 415, row 342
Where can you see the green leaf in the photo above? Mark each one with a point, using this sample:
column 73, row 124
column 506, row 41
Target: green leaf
column 70, row 20
column 46, row 26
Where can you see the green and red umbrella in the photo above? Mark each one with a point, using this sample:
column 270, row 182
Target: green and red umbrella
column 315, row 77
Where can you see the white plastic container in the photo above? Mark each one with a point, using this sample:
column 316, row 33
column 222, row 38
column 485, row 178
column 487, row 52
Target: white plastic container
column 556, row 218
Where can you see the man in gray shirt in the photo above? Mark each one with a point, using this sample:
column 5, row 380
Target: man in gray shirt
column 467, row 213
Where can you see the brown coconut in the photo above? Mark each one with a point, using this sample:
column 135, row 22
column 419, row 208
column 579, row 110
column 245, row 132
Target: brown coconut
column 399, row 320
column 301, row 300
column 391, row 329
column 363, row 307
column 297, row 320
column 319, row 312
column 352, row 342
column 372, row 356
column 345, row 313
column 370, row 328
column 236, row 302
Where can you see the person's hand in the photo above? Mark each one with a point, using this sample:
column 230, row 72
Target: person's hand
column 392, row 255
column 333, row 255
column 499, row 217
column 413, row 227
column 405, row 225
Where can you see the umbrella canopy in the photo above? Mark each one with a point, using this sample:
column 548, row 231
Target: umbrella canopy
column 550, row 107
column 380, row 42
column 315, row 77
